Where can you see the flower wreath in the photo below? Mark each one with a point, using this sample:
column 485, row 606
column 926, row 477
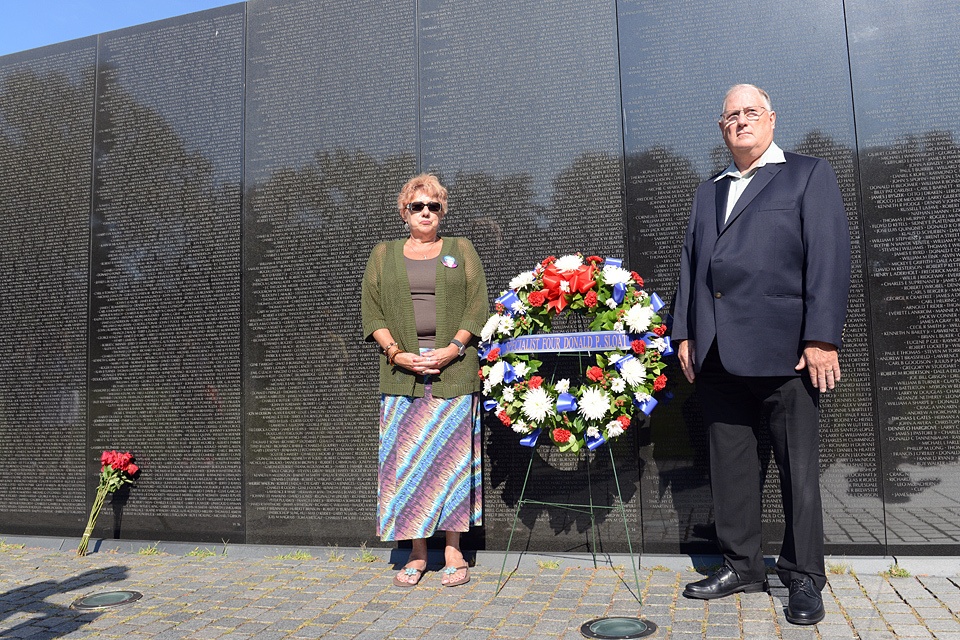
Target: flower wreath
column 628, row 370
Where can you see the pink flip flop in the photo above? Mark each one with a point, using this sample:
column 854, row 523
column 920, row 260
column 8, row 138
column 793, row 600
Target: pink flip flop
column 410, row 571
column 449, row 571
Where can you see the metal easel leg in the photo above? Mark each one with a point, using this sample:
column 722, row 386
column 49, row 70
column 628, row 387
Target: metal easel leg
column 516, row 514
column 593, row 519
column 626, row 527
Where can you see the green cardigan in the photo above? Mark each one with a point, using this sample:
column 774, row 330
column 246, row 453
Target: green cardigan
column 385, row 302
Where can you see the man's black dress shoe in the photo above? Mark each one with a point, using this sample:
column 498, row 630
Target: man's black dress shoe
column 805, row 604
column 723, row 583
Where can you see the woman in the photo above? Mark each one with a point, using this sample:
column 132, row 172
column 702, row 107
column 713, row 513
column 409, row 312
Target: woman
column 424, row 298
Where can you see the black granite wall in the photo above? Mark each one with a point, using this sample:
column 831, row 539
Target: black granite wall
column 188, row 206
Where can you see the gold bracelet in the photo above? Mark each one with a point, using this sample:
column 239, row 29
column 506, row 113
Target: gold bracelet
column 392, row 358
column 387, row 348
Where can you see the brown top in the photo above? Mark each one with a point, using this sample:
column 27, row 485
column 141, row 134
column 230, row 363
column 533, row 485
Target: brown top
column 422, row 275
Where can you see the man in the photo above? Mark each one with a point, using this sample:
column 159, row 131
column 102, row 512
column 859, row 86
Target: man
column 759, row 315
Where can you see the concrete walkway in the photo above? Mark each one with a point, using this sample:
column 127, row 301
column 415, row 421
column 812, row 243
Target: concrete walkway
column 239, row 592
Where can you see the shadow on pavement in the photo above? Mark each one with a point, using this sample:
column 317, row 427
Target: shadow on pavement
column 53, row 620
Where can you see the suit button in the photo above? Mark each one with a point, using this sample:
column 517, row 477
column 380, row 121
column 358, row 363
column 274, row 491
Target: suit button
column 718, row 295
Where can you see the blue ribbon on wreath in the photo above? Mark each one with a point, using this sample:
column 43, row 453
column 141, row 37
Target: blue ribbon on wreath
column 646, row 406
column 530, row 440
column 508, row 300
column 668, row 351
column 648, row 339
column 593, row 443
column 561, row 342
column 622, row 361
column 619, row 292
column 566, row 402
column 656, row 303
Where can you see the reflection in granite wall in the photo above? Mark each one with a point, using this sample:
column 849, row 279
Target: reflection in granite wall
column 906, row 79
column 685, row 87
column 46, row 151
column 585, row 127
column 165, row 313
column 550, row 182
column 331, row 137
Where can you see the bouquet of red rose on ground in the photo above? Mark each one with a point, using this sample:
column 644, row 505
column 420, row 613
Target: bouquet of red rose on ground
column 116, row 470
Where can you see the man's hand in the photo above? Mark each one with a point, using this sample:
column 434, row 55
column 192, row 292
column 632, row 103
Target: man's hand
column 821, row 362
column 687, row 355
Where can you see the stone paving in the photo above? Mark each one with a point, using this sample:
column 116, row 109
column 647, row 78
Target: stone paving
column 237, row 593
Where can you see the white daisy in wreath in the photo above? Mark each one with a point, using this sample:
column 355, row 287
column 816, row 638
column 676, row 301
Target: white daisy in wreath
column 638, row 318
column 523, row 280
column 537, row 404
column 633, row 372
column 569, row 263
column 594, row 404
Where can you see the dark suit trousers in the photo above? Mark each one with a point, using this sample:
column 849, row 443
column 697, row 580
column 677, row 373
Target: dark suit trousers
column 733, row 408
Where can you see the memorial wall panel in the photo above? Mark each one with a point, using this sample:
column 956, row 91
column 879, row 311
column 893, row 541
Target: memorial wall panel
column 331, row 137
column 526, row 134
column 165, row 312
column 46, row 158
column 676, row 67
column 189, row 205
column 906, row 79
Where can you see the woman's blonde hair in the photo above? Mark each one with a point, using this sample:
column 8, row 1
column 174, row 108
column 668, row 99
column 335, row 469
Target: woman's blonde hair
column 428, row 184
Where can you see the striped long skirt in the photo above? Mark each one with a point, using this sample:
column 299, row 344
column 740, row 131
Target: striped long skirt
column 429, row 468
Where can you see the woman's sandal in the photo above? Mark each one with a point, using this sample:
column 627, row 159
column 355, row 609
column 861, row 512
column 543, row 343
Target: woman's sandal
column 408, row 571
column 449, row 571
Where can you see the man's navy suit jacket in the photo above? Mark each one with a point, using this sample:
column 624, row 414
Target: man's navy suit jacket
column 776, row 275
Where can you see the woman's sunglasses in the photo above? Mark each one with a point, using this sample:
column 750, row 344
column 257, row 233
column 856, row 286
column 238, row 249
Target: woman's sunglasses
column 417, row 207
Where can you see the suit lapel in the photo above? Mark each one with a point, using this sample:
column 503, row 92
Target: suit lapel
column 760, row 180
column 723, row 188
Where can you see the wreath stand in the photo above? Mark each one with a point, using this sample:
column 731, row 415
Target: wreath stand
column 589, row 509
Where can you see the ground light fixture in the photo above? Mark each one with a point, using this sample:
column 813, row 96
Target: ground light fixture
column 105, row 600
column 618, row 628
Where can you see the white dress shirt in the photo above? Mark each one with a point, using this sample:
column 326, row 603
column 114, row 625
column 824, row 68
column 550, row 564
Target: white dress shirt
column 739, row 181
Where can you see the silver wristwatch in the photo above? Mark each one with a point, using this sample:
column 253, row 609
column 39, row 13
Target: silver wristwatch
column 460, row 346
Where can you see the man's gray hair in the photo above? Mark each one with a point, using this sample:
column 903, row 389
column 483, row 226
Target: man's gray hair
column 766, row 96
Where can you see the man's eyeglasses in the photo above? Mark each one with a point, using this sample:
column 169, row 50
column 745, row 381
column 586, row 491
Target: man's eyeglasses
column 752, row 114
column 417, row 207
